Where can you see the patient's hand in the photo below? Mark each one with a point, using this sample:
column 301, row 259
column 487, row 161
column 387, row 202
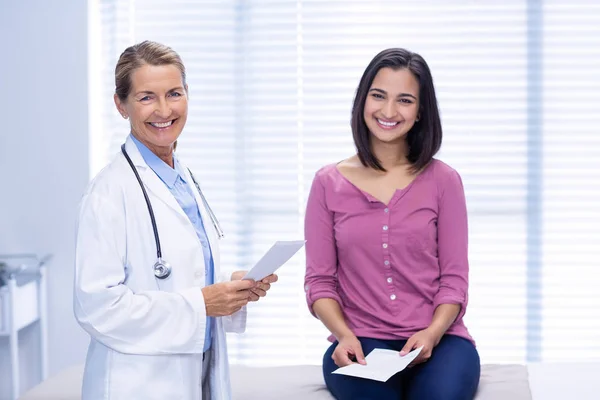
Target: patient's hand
column 262, row 286
column 349, row 347
column 426, row 338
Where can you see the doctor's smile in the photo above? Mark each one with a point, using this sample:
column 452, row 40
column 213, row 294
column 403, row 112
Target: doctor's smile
column 162, row 125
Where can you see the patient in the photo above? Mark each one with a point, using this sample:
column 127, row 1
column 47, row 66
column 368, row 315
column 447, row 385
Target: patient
column 386, row 250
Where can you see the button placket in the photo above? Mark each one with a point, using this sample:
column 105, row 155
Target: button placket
column 385, row 228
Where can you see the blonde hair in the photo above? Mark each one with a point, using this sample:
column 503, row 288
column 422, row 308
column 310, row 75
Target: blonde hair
column 146, row 52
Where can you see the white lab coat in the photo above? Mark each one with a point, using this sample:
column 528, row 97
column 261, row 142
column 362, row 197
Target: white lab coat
column 147, row 335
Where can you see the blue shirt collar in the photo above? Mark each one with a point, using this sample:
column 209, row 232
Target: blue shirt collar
column 166, row 174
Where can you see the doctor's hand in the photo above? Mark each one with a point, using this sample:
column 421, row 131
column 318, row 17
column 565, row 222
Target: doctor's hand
column 348, row 348
column 262, row 286
column 226, row 298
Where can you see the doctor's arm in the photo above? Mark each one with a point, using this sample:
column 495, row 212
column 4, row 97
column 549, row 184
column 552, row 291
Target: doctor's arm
column 150, row 322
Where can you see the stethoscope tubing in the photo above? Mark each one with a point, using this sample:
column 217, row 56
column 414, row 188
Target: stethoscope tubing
column 150, row 210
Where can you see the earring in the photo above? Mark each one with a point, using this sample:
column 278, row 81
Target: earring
column 125, row 116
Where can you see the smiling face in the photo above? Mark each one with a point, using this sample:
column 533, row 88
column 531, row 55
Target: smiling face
column 392, row 105
column 157, row 106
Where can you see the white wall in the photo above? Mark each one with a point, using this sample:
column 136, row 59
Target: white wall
column 43, row 160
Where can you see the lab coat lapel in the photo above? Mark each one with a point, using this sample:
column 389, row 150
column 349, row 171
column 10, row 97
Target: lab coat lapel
column 151, row 181
column 211, row 231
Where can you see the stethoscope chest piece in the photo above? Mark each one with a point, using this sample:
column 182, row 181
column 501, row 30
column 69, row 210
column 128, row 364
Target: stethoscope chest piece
column 162, row 269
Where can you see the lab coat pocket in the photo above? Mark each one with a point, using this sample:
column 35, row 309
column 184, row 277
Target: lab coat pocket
column 159, row 375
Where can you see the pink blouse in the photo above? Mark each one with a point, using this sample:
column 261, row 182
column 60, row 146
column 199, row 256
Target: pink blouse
column 388, row 266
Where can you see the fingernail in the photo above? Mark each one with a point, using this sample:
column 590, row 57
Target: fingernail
column 403, row 353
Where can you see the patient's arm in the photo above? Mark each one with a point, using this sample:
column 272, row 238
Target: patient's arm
column 428, row 338
column 452, row 233
column 349, row 347
column 330, row 314
column 320, row 282
column 443, row 317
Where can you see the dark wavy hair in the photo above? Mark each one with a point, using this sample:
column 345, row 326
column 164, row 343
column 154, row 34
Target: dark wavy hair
column 425, row 137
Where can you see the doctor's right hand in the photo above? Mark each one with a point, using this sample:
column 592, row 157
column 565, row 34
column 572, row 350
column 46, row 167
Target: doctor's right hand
column 348, row 350
column 226, row 298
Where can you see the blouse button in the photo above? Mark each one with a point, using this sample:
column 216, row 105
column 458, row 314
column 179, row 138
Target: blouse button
column 386, row 262
column 385, row 227
column 386, row 210
column 393, row 297
column 385, row 245
column 389, row 280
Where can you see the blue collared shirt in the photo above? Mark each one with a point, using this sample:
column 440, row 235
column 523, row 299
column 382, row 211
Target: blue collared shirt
column 179, row 188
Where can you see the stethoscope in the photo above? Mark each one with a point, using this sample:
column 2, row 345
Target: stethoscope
column 162, row 269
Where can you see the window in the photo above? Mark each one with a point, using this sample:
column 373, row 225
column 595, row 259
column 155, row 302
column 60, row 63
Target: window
column 271, row 86
column 570, row 302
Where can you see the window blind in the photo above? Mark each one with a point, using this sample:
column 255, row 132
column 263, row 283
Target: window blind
column 571, row 199
column 271, row 87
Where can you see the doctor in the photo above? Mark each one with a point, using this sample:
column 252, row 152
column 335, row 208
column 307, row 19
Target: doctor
column 147, row 258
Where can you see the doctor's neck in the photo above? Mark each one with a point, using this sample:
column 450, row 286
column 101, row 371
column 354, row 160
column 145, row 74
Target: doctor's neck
column 165, row 153
column 167, row 157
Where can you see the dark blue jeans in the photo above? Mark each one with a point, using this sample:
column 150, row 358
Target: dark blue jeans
column 452, row 373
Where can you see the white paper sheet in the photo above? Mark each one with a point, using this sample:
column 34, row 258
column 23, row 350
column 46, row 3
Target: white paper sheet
column 382, row 364
column 277, row 255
